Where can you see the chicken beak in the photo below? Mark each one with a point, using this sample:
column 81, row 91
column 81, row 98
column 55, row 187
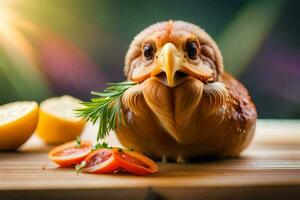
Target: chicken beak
column 169, row 62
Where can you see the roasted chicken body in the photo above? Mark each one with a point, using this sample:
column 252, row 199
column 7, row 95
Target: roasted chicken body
column 184, row 105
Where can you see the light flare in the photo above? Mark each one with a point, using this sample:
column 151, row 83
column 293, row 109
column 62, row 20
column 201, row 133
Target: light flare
column 33, row 56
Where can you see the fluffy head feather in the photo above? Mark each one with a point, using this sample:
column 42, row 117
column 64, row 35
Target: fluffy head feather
column 177, row 33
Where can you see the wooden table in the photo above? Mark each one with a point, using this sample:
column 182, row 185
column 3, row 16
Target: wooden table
column 268, row 169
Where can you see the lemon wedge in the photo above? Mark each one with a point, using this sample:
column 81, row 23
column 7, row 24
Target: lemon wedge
column 18, row 121
column 58, row 122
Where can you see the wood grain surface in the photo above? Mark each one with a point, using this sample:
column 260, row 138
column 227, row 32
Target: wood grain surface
column 268, row 169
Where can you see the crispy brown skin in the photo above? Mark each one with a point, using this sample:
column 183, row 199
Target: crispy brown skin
column 180, row 123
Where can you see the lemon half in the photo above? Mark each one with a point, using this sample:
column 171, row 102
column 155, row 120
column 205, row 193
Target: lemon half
column 58, row 122
column 18, row 121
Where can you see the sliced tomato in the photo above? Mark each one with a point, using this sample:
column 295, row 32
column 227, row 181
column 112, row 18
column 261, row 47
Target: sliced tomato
column 70, row 154
column 101, row 161
column 136, row 163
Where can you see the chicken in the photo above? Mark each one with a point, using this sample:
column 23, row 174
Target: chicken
column 184, row 105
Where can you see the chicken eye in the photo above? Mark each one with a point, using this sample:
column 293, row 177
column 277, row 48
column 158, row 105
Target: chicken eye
column 191, row 49
column 148, row 51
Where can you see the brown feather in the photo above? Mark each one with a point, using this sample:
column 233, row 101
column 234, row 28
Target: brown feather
column 172, row 122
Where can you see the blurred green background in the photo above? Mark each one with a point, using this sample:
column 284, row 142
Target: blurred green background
column 55, row 47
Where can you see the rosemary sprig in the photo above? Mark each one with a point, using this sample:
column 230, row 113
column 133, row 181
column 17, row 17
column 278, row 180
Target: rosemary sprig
column 105, row 107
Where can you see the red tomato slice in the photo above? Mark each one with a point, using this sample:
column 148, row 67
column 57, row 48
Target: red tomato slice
column 101, row 161
column 69, row 154
column 136, row 163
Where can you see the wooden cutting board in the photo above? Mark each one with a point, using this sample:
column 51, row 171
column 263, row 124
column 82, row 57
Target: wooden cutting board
column 268, row 169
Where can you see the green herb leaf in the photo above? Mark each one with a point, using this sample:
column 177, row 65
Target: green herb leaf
column 105, row 107
column 79, row 167
column 101, row 146
column 78, row 142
